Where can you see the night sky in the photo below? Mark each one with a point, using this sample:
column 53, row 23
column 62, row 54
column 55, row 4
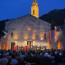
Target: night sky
column 15, row 8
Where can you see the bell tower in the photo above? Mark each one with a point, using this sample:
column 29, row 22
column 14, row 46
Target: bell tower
column 35, row 9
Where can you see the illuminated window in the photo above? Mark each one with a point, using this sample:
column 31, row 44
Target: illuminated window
column 25, row 36
column 15, row 36
column 41, row 36
column 34, row 36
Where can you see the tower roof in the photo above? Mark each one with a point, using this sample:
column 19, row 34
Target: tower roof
column 34, row 1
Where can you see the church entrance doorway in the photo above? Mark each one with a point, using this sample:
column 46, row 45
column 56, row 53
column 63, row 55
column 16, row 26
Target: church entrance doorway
column 30, row 44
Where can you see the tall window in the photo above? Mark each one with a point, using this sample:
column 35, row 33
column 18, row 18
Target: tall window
column 12, row 34
column 45, row 36
column 33, row 12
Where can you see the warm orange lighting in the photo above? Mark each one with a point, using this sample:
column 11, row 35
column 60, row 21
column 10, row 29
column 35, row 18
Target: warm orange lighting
column 60, row 46
column 55, row 28
column 28, row 28
column 34, row 36
column 0, row 45
column 15, row 36
column 4, row 46
column 50, row 35
column 7, row 46
column 26, row 36
column 48, row 43
column 55, row 34
column 41, row 37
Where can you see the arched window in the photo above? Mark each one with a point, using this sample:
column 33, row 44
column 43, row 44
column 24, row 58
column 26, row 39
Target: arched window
column 11, row 34
column 33, row 12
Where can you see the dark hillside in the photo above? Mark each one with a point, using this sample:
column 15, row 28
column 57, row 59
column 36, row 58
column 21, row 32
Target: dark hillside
column 55, row 17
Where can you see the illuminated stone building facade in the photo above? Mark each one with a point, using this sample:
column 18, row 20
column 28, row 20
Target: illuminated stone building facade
column 27, row 31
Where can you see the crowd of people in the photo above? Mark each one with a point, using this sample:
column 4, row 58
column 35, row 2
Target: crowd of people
column 38, row 57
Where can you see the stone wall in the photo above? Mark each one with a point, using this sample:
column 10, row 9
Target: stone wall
column 21, row 34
